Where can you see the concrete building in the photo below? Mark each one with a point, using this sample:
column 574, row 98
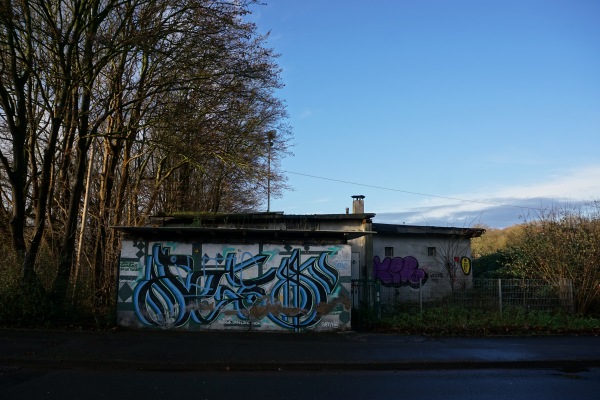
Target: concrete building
column 421, row 263
column 271, row 271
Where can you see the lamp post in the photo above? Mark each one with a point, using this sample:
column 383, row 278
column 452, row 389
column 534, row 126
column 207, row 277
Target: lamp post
column 270, row 137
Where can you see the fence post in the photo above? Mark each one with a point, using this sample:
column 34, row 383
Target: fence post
column 378, row 299
column 421, row 295
column 571, row 299
column 565, row 295
column 500, row 295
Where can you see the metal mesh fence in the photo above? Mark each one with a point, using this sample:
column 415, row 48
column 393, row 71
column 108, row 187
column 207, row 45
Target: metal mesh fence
column 496, row 295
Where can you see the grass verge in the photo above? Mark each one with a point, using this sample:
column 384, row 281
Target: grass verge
column 463, row 322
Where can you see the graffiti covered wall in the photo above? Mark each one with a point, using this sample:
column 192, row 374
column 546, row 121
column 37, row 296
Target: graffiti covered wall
column 234, row 287
column 399, row 271
column 405, row 279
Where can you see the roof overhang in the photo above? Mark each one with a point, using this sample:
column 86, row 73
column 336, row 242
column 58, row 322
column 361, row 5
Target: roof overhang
column 238, row 234
column 417, row 230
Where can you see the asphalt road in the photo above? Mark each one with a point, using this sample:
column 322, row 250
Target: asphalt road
column 37, row 364
column 242, row 351
column 546, row 384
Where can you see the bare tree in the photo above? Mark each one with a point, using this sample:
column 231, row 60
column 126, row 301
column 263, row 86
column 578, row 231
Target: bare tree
column 452, row 250
column 562, row 246
column 167, row 94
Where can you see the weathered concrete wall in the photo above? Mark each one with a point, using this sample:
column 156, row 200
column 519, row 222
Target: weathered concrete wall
column 414, row 275
column 234, row 287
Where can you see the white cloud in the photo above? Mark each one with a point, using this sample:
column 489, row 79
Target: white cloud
column 307, row 113
column 581, row 183
column 503, row 206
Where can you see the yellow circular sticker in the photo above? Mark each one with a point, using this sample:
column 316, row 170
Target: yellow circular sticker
column 465, row 263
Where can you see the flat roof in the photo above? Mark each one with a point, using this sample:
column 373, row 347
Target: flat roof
column 393, row 229
column 238, row 234
column 207, row 218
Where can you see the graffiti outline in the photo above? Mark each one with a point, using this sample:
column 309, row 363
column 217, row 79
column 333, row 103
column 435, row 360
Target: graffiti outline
column 399, row 271
column 173, row 292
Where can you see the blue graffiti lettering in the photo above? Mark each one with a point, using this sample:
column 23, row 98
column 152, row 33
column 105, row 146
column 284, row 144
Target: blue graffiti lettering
column 174, row 292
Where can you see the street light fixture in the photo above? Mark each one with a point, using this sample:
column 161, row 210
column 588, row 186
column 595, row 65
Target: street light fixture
column 270, row 137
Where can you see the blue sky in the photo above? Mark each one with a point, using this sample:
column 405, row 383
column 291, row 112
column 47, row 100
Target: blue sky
column 446, row 113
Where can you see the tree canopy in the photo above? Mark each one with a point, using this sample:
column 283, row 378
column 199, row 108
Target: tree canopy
column 112, row 110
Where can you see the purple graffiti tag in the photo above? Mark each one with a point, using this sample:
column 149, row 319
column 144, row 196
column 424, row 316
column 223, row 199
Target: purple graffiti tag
column 399, row 271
